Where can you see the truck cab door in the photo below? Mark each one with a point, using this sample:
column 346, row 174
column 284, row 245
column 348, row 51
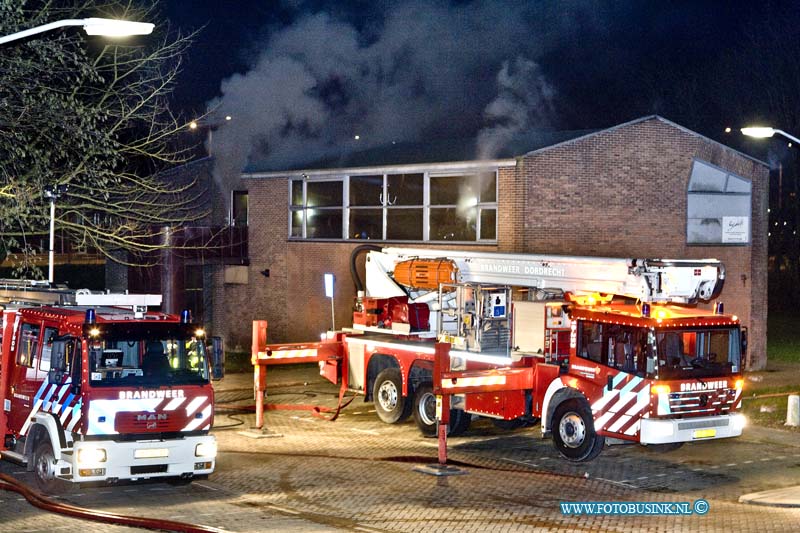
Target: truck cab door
column 24, row 382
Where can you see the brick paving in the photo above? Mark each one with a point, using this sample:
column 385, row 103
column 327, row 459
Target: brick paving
column 356, row 474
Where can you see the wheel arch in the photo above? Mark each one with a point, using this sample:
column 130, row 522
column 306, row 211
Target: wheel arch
column 377, row 363
column 45, row 426
column 557, row 393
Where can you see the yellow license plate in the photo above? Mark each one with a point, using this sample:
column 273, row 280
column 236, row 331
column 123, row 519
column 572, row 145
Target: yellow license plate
column 704, row 433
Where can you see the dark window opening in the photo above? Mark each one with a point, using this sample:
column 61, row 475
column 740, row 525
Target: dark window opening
column 239, row 208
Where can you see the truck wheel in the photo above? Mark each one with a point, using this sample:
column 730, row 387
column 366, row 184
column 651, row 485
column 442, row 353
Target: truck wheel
column 387, row 395
column 459, row 422
column 44, row 467
column 573, row 432
column 425, row 414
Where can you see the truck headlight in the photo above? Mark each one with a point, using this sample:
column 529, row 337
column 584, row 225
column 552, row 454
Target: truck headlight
column 90, row 455
column 206, row 449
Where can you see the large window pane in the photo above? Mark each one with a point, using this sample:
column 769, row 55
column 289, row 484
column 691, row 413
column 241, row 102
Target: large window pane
column 488, row 224
column 463, row 190
column 445, row 190
column 324, row 223
column 404, row 224
column 366, row 223
column 297, row 224
column 488, row 183
column 405, row 189
column 297, row 192
column 366, row 190
column 452, row 224
column 323, row 194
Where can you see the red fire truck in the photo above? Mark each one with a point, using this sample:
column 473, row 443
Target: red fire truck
column 599, row 350
column 102, row 389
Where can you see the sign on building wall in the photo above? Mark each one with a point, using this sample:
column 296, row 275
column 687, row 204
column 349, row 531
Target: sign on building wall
column 735, row 230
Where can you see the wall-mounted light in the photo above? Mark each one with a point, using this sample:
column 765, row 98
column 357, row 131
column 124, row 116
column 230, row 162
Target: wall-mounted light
column 329, row 281
column 265, row 272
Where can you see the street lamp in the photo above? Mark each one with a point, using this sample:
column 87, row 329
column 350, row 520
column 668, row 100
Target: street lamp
column 760, row 132
column 92, row 26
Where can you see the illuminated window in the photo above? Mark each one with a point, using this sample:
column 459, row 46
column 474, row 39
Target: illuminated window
column 395, row 207
column 718, row 206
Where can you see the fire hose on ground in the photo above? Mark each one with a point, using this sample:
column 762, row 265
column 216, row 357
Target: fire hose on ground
column 37, row 500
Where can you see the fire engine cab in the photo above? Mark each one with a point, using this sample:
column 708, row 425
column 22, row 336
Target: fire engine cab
column 599, row 350
column 95, row 387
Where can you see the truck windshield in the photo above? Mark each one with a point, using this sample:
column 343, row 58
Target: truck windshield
column 148, row 361
column 690, row 353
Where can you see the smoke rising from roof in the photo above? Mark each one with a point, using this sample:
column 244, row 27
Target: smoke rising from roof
column 423, row 71
column 524, row 100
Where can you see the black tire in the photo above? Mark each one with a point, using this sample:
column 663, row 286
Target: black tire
column 387, row 396
column 459, row 422
column 44, row 468
column 425, row 414
column 573, row 431
column 664, row 448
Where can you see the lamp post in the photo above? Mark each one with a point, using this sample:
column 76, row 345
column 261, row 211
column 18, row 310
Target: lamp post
column 92, row 26
column 761, row 132
column 53, row 194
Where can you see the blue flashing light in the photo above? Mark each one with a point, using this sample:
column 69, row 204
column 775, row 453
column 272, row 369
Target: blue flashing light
column 186, row 316
column 719, row 308
column 91, row 318
column 645, row 310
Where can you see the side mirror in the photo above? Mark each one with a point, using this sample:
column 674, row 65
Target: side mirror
column 55, row 376
column 58, row 363
column 744, row 342
column 217, row 358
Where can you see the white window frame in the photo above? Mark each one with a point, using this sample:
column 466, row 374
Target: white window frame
column 385, row 206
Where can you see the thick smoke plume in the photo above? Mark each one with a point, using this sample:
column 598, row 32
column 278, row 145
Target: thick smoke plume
column 424, row 71
column 524, row 100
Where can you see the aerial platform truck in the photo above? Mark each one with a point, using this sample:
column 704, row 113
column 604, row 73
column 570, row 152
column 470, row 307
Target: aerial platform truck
column 598, row 350
column 97, row 388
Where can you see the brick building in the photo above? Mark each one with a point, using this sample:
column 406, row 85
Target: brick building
column 646, row 188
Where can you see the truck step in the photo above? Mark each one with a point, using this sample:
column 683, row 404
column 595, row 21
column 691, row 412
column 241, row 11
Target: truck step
column 14, row 457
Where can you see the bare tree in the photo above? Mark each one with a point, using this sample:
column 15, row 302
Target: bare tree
column 89, row 117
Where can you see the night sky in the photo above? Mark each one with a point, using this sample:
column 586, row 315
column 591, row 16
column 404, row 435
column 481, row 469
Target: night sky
column 298, row 76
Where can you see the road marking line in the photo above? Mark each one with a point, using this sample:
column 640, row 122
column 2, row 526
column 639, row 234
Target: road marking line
column 624, row 482
column 731, row 464
column 781, row 457
column 283, row 509
column 367, row 431
column 713, row 467
column 765, row 459
column 643, row 477
column 660, row 475
column 748, row 462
